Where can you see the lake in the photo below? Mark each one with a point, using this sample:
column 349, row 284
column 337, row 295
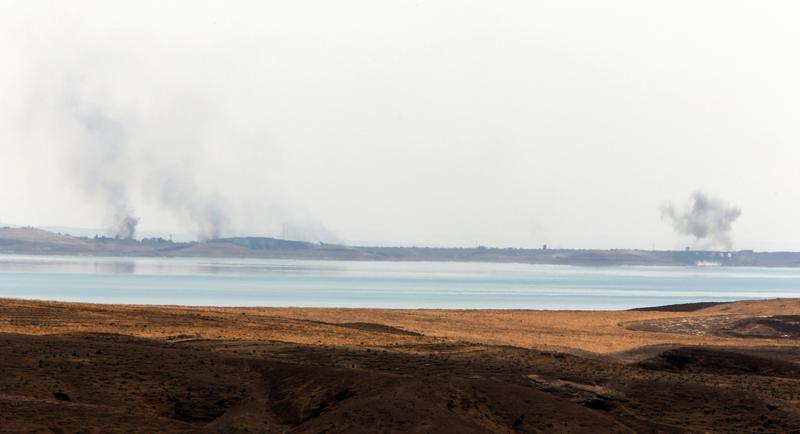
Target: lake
column 277, row 282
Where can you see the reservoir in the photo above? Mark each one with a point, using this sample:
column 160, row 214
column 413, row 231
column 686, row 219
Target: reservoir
column 449, row 285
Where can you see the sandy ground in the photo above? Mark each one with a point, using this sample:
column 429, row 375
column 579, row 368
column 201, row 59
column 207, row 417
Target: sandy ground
column 591, row 331
column 71, row 367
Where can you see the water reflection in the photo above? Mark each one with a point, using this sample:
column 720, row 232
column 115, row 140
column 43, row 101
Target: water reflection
column 114, row 267
column 162, row 266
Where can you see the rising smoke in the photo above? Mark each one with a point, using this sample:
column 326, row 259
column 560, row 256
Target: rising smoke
column 135, row 149
column 99, row 163
column 174, row 187
column 707, row 219
column 127, row 228
column 113, row 162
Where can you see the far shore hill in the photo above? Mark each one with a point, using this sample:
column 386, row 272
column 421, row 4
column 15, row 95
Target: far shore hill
column 33, row 241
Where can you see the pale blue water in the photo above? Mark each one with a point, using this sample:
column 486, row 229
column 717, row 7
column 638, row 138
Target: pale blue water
column 271, row 282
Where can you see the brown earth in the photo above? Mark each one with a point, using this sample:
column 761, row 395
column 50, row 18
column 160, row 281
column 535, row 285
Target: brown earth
column 69, row 367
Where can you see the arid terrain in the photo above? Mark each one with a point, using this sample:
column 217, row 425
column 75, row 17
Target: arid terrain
column 70, row 367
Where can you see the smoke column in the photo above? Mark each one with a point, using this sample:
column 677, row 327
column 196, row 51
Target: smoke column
column 110, row 161
column 100, row 166
column 175, row 188
column 127, row 228
column 157, row 148
column 707, row 219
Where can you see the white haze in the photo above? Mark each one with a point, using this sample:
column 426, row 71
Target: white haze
column 415, row 122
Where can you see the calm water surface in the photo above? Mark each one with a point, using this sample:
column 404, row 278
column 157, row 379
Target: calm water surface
column 274, row 282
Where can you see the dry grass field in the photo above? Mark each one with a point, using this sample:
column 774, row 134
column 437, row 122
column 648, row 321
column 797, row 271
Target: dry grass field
column 70, row 367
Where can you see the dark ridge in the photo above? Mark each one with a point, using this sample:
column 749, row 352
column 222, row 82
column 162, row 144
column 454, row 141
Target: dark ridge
column 716, row 361
column 775, row 327
column 374, row 327
column 369, row 327
column 682, row 307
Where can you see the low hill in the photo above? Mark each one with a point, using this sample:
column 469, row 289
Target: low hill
column 36, row 241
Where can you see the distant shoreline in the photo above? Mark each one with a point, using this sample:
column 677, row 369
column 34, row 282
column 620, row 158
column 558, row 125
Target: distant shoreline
column 32, row 241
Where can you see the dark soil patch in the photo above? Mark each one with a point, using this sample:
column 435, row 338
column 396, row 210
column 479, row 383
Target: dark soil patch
column 780, row 327
column 375, row 327
column 714, row 361
column 683, row 307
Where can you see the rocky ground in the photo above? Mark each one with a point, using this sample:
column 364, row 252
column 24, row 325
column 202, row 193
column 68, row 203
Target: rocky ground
column 92, row 368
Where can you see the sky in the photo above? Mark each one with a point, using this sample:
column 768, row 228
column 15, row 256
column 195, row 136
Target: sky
column 440, row 123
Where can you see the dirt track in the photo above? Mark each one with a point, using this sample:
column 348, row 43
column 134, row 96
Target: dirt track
column 92, row 368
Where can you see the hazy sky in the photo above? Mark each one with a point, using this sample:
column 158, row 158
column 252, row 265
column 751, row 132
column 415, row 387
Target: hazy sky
column 417, row 122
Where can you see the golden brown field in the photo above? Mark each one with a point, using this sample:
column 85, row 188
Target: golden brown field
column 69, row 367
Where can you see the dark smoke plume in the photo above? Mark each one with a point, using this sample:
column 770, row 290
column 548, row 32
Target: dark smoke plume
column 110, row 163
column 127, row 228
column 134, row 151
column 100, row 165
column 705, row 218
